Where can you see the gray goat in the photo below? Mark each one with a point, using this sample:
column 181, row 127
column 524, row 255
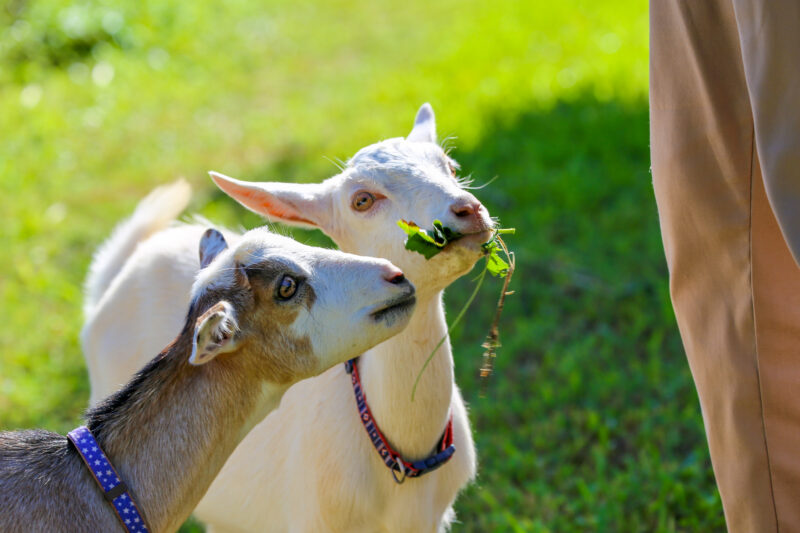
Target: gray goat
column 275, row 312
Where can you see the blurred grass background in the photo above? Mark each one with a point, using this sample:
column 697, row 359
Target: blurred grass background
column 591, row 422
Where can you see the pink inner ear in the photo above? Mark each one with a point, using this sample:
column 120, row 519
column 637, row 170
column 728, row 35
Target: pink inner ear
column 261, row 202
column 277, row 210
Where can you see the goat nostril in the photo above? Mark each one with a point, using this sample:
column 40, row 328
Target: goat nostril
column 396, row 279
column 463, row 210
column 392, row 274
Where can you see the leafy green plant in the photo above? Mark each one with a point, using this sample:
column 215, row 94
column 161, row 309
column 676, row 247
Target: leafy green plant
column 428, row 243
column 431, row 242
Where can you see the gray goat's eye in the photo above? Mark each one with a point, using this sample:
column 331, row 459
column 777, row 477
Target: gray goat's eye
column 287, row 287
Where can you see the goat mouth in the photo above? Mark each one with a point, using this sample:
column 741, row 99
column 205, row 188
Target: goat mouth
column 395, row 308
column 471, row 239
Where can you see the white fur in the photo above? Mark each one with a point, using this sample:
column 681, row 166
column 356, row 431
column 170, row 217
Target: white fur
column 309, row 466
column 152, row 214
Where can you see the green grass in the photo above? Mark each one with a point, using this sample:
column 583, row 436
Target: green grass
column 591, row 422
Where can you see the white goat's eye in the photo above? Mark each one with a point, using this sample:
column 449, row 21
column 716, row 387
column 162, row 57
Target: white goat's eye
column 363, row 200
column 287, row 287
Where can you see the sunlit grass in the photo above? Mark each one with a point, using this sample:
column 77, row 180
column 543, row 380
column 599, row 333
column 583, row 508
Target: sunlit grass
column 591, row 422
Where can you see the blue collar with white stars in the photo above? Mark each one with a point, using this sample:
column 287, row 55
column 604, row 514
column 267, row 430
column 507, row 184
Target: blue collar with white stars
column 114, row 489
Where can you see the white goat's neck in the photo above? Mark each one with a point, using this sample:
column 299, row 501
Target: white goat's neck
column 389, row 370
column 170, row 430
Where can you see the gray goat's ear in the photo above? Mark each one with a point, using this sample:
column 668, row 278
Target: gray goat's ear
column 214, row 333
column 211, row 244
column 424, row 129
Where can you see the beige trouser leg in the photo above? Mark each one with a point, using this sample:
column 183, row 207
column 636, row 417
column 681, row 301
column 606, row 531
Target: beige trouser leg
column 769, row 33
column 734, row 284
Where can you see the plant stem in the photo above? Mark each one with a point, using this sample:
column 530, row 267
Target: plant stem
column 450, row 327
column 492, row 342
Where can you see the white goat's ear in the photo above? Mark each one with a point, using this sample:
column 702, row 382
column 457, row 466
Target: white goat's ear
column 306, row 205
column 424, row 129
column 214, row 333
column 211, row 244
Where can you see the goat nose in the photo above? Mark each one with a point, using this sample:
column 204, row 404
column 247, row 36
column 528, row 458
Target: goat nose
column 392, row 274
column 465, row 208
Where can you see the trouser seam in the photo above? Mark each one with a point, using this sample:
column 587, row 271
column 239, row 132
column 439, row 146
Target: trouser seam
column 755, row 334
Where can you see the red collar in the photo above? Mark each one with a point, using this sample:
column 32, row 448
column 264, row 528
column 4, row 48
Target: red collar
column 399, row 467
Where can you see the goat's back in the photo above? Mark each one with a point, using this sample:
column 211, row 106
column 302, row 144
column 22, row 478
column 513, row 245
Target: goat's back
column 45, row 487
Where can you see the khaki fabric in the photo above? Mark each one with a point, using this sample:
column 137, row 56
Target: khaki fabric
column 769, row 32
column 734, row 283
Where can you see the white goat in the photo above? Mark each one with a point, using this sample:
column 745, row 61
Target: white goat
column 262, row 316
column 310, row 466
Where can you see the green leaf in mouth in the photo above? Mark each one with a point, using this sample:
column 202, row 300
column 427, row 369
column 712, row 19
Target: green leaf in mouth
column 431, row 242
column 427, row 242
column 495, row 264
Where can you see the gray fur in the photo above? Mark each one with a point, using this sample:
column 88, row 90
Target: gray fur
column 45, row 487
column 167, row 432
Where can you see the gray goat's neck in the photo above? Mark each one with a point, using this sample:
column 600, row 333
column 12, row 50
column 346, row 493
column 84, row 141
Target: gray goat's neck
column 170, row 430
column 388, row 372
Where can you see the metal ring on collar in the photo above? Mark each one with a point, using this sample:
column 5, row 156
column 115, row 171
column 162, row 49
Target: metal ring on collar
column 399, row 463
